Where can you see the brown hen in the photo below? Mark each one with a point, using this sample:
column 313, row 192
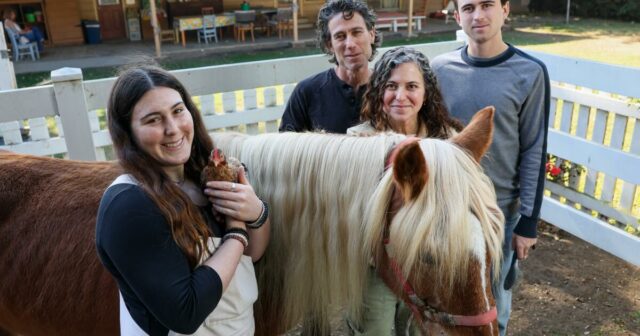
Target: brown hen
column 220, row 168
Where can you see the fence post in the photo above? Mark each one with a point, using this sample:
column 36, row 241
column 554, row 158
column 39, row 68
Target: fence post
column 7, row 76
column 72, row 108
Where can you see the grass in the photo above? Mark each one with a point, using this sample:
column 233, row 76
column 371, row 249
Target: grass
column 607, row 41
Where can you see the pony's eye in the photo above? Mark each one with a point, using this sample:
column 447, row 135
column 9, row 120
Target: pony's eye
column 426, row 258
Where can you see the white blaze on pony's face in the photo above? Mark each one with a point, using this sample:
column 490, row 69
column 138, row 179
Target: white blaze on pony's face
column 163, row 128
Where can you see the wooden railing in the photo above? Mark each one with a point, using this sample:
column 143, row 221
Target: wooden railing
column 597, row 132
column 245, row 94
column 594, row 126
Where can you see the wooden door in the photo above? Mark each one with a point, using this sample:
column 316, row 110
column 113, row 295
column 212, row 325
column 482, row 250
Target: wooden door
column 111, row 20
column 389, row 4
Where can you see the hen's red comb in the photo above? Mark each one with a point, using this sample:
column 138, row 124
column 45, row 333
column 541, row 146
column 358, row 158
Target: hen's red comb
column 217, row 155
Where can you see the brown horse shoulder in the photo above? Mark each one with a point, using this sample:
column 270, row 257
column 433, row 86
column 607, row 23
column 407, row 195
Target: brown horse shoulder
column 52, row 281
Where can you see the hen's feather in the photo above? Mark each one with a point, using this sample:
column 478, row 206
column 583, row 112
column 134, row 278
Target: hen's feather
column 220, row 168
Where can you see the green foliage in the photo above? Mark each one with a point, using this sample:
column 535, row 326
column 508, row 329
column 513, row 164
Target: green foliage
column 628, row 10
column 146, row 5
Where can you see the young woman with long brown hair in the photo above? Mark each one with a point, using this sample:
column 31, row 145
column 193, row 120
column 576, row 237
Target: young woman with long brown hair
column 178, row 269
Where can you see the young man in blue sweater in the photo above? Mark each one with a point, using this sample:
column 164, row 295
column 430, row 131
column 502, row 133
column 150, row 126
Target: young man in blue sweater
column 489, row 71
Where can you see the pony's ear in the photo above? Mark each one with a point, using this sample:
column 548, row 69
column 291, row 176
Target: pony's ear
column 476, row 137
column 410, row 170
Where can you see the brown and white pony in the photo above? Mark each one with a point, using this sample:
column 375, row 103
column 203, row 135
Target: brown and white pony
column 333, row 207
column 335, row 211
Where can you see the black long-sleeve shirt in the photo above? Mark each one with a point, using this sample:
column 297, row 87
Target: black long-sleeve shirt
column 158, row 286
column 322, row 102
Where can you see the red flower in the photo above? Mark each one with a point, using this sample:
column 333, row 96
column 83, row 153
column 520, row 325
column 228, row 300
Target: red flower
column 555, row 171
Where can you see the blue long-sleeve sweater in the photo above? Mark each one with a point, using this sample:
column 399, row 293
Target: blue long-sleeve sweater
column 518, row 86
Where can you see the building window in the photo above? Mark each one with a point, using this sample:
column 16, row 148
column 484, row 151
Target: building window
column 108, row 2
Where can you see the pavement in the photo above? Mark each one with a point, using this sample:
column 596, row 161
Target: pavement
column 116, row 53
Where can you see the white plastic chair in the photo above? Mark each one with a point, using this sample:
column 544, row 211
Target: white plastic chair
column 208, row 30
column 22, row 49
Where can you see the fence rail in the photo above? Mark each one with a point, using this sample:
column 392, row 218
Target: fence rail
column 594, row 133
column 594, row 130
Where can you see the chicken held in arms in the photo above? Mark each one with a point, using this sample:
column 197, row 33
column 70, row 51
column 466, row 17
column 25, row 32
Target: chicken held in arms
column 220, row 168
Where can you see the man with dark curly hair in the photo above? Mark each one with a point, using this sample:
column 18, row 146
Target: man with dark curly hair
column 331, row 100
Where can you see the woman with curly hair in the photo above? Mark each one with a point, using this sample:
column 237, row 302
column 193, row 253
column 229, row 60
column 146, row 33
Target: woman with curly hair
column 402, row 96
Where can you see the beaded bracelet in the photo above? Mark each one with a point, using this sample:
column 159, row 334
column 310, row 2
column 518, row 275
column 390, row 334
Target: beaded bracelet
column 238, row 234
column 237, row 237
column 264, row 215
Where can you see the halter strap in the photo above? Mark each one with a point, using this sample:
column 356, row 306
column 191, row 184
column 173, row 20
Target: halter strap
column 392, row 156
column 417, row 305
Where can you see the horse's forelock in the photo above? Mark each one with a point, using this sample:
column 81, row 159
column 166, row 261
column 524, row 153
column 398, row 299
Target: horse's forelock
column 437, row 223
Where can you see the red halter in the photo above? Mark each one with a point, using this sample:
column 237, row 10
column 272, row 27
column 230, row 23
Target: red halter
column 418, row 305
column 420, row 308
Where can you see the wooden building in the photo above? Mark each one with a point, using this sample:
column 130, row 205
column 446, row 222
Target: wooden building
column 61, row 20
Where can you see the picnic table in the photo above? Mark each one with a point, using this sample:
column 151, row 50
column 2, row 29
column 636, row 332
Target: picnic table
column 182, row 24
column 268, row 11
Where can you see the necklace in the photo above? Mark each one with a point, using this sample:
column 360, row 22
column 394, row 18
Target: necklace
column 179, row 182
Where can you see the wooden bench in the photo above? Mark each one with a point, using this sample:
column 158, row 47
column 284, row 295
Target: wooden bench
column 393, row 22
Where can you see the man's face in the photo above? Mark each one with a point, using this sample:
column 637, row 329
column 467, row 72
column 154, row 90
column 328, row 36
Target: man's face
column 482, row 20
column 350, row 41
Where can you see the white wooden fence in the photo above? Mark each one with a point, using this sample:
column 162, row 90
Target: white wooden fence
column 595, row 110
column 587, row 128
column 7, row 76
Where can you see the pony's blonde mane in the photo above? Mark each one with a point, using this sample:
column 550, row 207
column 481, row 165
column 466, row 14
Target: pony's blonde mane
column 434, row 230
column 329, row 197
column 320, row 185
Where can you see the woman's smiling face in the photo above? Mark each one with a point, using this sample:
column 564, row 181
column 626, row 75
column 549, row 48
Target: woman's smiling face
column 163, row 127
column 404, row 96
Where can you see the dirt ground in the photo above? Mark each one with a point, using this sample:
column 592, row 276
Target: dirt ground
column 569, row 287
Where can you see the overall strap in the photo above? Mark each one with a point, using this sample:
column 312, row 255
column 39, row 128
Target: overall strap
column 124, row 179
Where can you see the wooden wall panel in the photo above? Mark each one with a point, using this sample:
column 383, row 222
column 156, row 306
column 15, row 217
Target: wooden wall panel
column 64, row 22
column 231, row 5
column 88, row 9
column 311, row 7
